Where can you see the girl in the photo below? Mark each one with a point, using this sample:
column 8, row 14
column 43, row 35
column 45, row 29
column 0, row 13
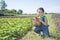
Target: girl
column 43, row 23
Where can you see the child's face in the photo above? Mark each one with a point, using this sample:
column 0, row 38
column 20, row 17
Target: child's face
column 40, row 12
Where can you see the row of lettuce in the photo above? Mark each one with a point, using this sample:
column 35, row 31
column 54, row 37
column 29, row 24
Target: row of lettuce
column 11, row 28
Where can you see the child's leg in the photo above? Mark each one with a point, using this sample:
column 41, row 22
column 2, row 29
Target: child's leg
column 46, row 31
column 36, row 29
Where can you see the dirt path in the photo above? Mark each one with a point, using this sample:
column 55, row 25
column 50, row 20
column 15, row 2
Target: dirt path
column 57, row 22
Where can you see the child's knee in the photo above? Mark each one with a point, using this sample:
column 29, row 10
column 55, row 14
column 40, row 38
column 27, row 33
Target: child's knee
column 33, row 28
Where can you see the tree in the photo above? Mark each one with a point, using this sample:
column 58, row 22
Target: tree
column 45, row 12
column 3, row 5
column 20, row 11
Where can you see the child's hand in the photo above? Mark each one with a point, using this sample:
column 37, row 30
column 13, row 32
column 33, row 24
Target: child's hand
column 34, row 18
column 36, row 21
column 40, row 19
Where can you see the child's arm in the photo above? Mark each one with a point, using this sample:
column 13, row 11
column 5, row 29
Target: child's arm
column 44, row 22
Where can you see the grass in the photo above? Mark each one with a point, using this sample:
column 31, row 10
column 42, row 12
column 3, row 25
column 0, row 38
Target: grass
column 52, row 26
column 31, row 35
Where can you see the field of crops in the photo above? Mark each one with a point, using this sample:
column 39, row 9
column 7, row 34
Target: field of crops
column 11, row 28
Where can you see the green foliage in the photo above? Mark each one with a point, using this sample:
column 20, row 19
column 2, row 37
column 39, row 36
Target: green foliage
column 52, row 26
column 11, row 12
column 3, row 5
column 20, row 11
column 10, row 28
